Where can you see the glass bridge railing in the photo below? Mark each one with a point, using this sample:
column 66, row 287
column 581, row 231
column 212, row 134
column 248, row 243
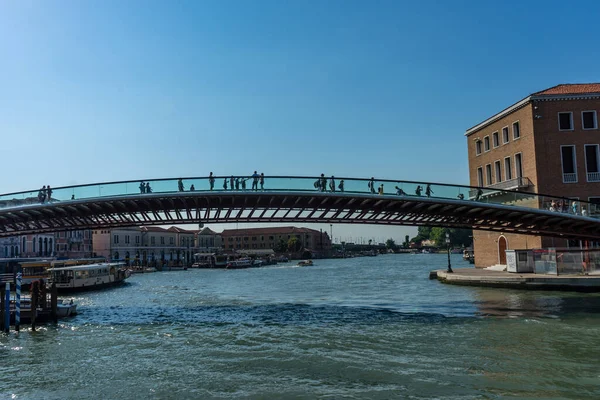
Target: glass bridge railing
column 229, row 184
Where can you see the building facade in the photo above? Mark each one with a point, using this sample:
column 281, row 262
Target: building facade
column 270, row 238
column 546, row 143
column 74, row 244
column 208, row 241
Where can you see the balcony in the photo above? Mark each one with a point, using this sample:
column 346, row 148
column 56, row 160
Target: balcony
column 593, row 176
column 570, row 178
column 511, row 184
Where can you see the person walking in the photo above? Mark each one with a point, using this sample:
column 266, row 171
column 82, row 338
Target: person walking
column 323, row 183
column 418, row 190
column 371, row 185
column 231, row 182
column 341, row 185
column 225, row 184
column 428, row 191
column 574, row 207
column 180, row 185
column 148, row 188
column 244, row 183
column 211, row 181
column 262, row 181
column 255, row 177
column 400, row 192
column 142, row 187
column 49, row 192
column 478, row 195
column 42, row 195
column 381, row 189
column 332, row 183
column 237, row 183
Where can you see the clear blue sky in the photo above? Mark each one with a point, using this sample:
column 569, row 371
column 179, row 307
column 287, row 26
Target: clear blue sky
column 112, row 90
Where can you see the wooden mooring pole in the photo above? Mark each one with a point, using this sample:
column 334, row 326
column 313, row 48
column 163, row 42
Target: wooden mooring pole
column 2, row 289
column 7, row 307
column 35, row 291
column 54, row 302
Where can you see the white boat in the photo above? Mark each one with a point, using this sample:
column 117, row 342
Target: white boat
column 241, row 263
column 88, row 277
column 305, row 263
column 66, row 309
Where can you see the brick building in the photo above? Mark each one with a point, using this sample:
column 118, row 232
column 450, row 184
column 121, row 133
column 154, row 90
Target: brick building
column 269, row 238
column 546, row 143
column 74, row 244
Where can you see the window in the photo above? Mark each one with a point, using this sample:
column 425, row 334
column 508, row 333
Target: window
column 171, row 240
column 152, row 241
column 126, row 239
column 495, row 139
column 516, row 131
column 486, row 143
column 519, row 165
column 137, row 240
column 477, row 147
column 507, row 169
column 591, row 163
column 488, row 174
column 162, row 240
column 565, row 121
column 498, row 169
column 480, row 177
column 505, row 135
column 569, row 168
column 588, row 120
column 116, row 239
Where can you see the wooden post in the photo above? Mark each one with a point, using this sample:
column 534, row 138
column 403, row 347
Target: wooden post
column 7, row 308
column 2, row 308
column 54, row 302
column 34, row 300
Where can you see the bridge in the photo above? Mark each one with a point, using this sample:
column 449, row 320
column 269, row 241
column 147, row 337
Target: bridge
column 286, row 199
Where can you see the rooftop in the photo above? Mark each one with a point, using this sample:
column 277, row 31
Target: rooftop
column 266, row 231
column 570, row 88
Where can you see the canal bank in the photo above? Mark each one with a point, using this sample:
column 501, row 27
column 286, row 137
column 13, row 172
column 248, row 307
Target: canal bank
column 529, row 281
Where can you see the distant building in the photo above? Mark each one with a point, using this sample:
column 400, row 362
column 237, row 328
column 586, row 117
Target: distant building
column 74, row 244
column 269, row 238
column 547, row 143
column 208, row 241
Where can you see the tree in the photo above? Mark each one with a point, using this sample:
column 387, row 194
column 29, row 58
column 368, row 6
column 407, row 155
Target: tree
column 458, row 237
column 406, row 243
column 390, row 244
column 294, row 244
column 281, row 247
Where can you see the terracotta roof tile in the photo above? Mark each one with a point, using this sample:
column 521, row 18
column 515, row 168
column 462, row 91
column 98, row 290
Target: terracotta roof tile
column 266, row 231
column 570, row 88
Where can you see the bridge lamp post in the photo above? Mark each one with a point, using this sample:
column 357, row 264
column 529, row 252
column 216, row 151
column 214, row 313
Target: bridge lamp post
column 448, row 247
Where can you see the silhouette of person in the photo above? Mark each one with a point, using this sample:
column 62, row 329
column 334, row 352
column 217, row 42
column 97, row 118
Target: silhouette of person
column 418, row 190
column 323, row 183
column 225, row 184
column 400, row 192
column 237, row 183
column 262, row 181
column 341, row 185
column 255, row 181
column 142, row 187
column 148, row 188
column 478, row 195
column 332, row 183
column 428, row 191
column 49, row 192
column 192, row 188
column 180, row 185
column 381, row 189
column 231, row 182
column 211, row 181
column 371, row 185
column 461, row 196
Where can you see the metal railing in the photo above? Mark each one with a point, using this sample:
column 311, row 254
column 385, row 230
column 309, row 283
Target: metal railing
column 511, row 184
column 593, row 176
column 248, row 184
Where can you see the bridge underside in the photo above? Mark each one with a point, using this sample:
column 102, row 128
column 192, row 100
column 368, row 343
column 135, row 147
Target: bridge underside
column 282, row 207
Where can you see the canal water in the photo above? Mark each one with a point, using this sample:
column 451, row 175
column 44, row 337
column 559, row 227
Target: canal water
column 374, row 328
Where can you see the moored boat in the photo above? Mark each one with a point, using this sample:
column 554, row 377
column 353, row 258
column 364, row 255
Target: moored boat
column 88, row 277
column 241, row 263
column 305, row 263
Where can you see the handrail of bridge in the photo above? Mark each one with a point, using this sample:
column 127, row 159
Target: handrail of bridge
column 302, row 184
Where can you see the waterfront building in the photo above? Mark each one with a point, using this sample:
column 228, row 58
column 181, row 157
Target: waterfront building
column 37, row 245
column 547, row 143
column 74, row 244
column 317, row 242
column 208, row 241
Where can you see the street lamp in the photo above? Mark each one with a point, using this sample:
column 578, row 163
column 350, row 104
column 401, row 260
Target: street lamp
column 448, row 246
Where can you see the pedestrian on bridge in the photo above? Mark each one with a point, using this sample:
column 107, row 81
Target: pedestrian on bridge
column 244, row 183
column 381, row 189
column 142, row 187
column 211, row 181
column 574, row 207
column 418, row 190
column 231, row 182
column 237, row 183
column 225, row 184
column 323, row 183
column 262, row 181
column 400, row 192
column 341, row 185
column 478, row 195
column 49, row 192
column 42, row 195
column 371, row 185
column 180, row 185
column 332, row 183
column 255, row 177
column 428, row 191
column 192, row 188
column 148, row 188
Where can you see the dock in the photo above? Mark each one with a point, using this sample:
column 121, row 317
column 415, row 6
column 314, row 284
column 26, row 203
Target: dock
column 528, row 281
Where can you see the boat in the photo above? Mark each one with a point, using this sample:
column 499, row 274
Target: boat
column 66, row 309
column 88, row 277
column 241, row 263
column 305, row 263
column 282, row 259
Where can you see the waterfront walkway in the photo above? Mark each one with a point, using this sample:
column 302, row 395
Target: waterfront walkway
column 503, row 279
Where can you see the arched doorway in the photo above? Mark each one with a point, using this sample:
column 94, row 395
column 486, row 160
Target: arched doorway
column 502, row 246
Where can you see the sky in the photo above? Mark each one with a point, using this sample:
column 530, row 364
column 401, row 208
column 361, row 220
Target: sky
column 96, row 91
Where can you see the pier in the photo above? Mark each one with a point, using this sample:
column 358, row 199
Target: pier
column 527, row 281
